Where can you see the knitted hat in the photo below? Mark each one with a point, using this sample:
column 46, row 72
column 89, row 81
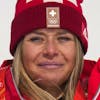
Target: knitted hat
column 36, row 14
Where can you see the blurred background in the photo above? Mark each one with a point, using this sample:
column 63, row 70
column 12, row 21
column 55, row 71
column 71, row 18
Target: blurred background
column 90, row 10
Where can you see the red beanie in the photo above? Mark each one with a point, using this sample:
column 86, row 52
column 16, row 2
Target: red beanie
column 36, row 14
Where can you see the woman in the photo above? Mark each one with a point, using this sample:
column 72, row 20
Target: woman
column 48, row 57
column 48, row 42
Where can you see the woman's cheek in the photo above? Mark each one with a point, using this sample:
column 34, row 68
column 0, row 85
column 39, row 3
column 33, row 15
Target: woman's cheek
column 30, row 52
column 68, row 52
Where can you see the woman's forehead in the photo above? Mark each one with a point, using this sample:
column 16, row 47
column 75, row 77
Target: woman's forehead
column 48, row 32
column 51, row 30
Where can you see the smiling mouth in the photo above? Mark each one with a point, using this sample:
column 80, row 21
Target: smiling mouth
column 50, row 65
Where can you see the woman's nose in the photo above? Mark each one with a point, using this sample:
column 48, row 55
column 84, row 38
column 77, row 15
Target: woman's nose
column 51, row 49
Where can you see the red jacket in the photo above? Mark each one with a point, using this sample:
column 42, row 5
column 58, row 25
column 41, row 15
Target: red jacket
column 94, row 83
column 8, row 89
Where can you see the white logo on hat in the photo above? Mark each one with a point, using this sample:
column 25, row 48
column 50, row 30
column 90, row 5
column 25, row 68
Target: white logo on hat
column 27, row 1
column 52, row 13
column 59, row 1
column 52, row 17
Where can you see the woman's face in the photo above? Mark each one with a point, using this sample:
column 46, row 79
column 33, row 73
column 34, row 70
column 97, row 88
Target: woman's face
column 49, row 55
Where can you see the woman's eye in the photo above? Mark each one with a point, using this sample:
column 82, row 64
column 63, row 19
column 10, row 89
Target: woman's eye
column 36, row 39
column 64, row 39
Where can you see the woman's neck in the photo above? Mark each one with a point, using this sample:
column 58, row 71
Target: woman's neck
column 55, row 91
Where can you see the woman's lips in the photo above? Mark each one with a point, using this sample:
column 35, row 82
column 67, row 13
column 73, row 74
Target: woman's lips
column 50, row 65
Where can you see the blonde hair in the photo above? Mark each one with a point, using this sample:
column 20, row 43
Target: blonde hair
column 27, row 86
